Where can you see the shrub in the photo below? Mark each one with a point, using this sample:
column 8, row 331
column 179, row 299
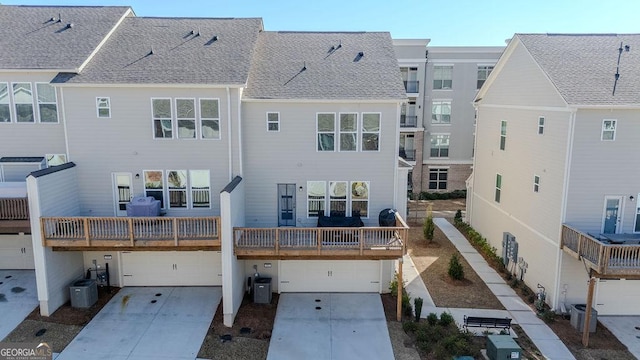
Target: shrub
column 409, row 326
column 428, row 228
column 417, row 303
column 458, row 217
column 531, row 298
column 456, row 194
column 514, row 282
column 548, row 316
column 456, row 271
column 407, row 309
column 432, row 319
column 446, row 319
column 526, row 291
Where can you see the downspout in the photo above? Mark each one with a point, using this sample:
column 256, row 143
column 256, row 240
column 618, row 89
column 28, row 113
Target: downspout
column 229, row 134
column 395, row 152
column 64, row 125
column 469, row 209
column 240, row 166
column 563, row 210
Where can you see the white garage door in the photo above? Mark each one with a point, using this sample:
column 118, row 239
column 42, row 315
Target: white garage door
column 329, row 276
column 618, row 297
column 16, row 252
column 171, row 268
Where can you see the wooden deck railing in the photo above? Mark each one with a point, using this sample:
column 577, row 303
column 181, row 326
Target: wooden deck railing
column 130, row 231
column 605, row 259
column 14, row 209
column 283, row 242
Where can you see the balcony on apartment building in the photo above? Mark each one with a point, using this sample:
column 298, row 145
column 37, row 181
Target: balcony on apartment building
column 14, row 208
column 611, row 255
column 407, row 154
column 371, row 243
column 412, row 87
column 131, row 233
column 408, row 121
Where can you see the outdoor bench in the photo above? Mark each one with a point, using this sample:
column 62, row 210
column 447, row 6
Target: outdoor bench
column 488, row 322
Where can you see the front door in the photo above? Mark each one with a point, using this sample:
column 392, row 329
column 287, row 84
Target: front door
column 611, row 219
column 286, row 204
column 121, row 192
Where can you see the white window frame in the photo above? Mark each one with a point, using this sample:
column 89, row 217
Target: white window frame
column 354, row 132
column 190, row 177
column 163, row 202
column 440, row 103
column 352, row 200
column 438, row 171
column 334, row 132
column 486, row 69
column 442, row 80
column 536, row 183
column 436, row 135
column 108, row 107
column 271, row 122
column 33, row 108
column 503, row 135
column 541, row 121
column 201, row 119
column 185, row 190
column 347, row 209
column 364, row 131
column 38, row 103
column 613, row 122
column 178, row 119
column 323, row 201
column 498, row 189
column 8, row 103
column 49, row 157
column 153, row 119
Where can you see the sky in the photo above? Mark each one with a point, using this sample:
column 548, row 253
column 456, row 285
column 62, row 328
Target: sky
column 445, row 22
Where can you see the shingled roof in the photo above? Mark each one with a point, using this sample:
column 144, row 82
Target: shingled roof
column 173, row 51
column 319, row 65
column 53, row 37
column 583, row 66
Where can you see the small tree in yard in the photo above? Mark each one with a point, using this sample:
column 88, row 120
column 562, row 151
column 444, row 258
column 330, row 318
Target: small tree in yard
column 456, row 271
column 428, row 228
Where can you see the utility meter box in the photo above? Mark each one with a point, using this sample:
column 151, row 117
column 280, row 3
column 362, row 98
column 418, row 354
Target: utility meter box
column 502, row 347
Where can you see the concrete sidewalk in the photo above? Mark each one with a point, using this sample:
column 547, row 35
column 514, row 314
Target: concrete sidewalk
column 542, row 336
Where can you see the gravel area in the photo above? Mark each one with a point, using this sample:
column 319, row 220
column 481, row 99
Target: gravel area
column 58, row 336
column 403, row 348
column 238, row 348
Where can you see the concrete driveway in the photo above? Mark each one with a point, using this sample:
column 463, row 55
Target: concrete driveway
column 626, row 328
column 140, row 324
column 330, row 326
column 18, row 298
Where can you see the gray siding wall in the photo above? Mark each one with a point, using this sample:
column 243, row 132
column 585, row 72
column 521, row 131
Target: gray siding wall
column 463, row 91
column 601, row 168
column 519, row 70
column 31, row 139
column 125, row 143
column 290, row 156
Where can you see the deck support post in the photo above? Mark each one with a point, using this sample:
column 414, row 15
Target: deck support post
column 400, row 289
column 587, row 320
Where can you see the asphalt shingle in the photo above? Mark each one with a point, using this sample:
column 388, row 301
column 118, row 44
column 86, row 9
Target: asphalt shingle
column 38, row 37
column 318, row 65
column 583, row 66
column 173, row 51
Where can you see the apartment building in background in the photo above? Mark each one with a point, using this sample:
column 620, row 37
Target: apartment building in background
column 437, row 124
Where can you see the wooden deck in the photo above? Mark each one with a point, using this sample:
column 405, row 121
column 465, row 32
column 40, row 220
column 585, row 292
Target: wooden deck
column 607, row 260
column 131, row 233
column 14, row 216
column 371, row 243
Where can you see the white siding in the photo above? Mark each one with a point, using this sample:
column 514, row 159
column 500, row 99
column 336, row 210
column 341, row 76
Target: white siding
column 53, row 195
column 125, row 143
column 290, row 156
column 31, row 139
column 521, row 82
column 600, row 168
